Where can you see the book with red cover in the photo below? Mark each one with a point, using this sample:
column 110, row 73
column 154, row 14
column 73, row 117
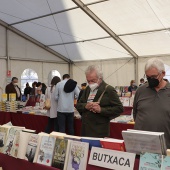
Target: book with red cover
column 113, row 144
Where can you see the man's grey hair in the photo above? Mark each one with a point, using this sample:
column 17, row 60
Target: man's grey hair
column 95, row 68
column 155, row 63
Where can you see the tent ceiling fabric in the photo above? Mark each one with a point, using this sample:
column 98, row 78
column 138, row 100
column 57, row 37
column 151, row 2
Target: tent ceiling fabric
column 141, row 24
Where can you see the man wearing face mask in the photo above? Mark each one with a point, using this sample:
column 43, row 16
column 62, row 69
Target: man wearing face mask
column 13, row 88
column 151, row 108
column 96, row 114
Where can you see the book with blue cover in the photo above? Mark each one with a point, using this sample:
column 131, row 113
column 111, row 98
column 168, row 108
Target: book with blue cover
column 166, row 163
column 92, row 141
column 150, row 161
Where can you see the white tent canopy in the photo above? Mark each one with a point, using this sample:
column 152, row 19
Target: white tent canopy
column 142, row 25
column 118, row 35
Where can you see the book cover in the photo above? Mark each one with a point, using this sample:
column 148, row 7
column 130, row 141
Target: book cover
column 92, row 141
column 166, row 163
column 23, row 142
column 9, row 142
column 150, row 161
column 45, row 154
column 59, row 153
column 4, row 97
column 77, row 156
column 137, row 141
column 40, row 135
column 31, row 147
column 15, row 146
column 113, row 144
column 3, row 136
column 12, row 97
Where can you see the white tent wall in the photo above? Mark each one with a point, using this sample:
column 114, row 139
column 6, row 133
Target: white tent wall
column 2, row 75
column 115, row 72
column 2, row 42
column 21, row 48
column 42, row 69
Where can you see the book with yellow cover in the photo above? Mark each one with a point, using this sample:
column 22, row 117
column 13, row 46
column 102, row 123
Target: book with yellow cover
column 4, row 97
column 12, row 97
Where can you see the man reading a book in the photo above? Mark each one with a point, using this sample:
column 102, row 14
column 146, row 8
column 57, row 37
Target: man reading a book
column 98, row 104
column 151, row 108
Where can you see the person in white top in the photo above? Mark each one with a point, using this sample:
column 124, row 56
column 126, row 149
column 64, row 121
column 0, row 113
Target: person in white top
column 52, row 112
column 65, row 92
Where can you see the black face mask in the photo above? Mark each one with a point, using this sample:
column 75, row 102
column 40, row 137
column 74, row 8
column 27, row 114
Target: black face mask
column 153, row 82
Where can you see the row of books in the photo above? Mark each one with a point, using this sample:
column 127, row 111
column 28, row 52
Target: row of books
column 9, row 106
column 127, row 101
column 55, row 149
column 12, row 97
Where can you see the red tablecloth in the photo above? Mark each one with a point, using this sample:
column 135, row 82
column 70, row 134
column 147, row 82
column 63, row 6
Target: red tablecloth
column 35, row 122
column 10, row 163
column 5, row 117
column 115, row 128
column 38, row 123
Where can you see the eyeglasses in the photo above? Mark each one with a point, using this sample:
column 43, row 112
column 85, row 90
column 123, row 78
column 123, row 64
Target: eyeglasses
column 152, row 77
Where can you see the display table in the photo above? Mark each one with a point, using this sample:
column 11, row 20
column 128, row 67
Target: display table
column 38, row 123
column 10, row 163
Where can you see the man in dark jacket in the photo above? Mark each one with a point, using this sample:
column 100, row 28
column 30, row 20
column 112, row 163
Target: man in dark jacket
column 96, row 115
column 13, row 88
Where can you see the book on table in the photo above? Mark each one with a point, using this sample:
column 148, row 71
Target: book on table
column 40, row 135
column 31, row 147
column 137, row 141
column 72, row 137
column 23, row 142
column 60, row 153
column 4, row 130
column 77, row 156
column 46, row 150
column 57, row 135
column 92, row 141
column 12, row 141
column 113, row 144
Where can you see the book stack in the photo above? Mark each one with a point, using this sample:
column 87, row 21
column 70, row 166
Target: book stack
column 12, row 97
column 2, row 106
column 137, row 141
column 113, row 144
column 4, row 97
column 11, row 106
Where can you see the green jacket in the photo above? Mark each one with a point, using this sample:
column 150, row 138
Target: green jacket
column 98, row 124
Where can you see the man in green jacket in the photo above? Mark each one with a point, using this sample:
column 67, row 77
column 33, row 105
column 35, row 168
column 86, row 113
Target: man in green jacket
column 96, row 114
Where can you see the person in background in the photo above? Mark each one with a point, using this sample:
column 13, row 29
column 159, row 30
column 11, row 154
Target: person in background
column 38, row 90
column 142, row 81
column 133, row 86
column 27, row 89
column 65, row 92
column 43, row 88
column 13, row 88
column 151, row 109
column 96, row 115
column 83, row 86
column 33, row 88
column 52, row 112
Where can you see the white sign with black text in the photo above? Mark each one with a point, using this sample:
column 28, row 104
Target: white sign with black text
column 112, row 159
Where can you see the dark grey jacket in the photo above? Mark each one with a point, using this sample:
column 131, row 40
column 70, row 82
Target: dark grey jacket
column 98, row 124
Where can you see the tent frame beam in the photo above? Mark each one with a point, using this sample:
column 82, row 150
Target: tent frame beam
column 84, row 7
column 16, row 31
column 54, row 13
column 81, row 5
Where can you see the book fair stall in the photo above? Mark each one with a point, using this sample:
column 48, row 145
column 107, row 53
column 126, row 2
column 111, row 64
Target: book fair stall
column 23, row 143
